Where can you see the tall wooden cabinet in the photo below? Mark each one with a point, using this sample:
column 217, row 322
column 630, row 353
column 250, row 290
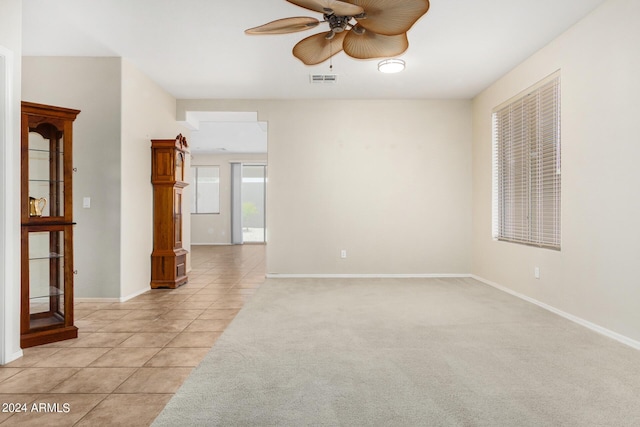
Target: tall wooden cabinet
column 169, row 258
column 46, row 224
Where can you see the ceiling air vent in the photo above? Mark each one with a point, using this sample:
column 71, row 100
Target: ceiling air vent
column 323, row 78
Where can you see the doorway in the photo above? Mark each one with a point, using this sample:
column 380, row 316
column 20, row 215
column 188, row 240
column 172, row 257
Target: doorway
column 253, row 196
column 229, row 142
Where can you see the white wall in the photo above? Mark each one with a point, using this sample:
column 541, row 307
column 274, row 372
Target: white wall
column 10, row 87
column 594, row 276
column 215, row 229
column 390, row 183
column 91, row 85
column 148, row 112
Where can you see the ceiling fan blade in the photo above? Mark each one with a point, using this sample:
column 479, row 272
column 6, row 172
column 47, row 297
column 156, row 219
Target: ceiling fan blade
column 339, row 8
column 371, row 45
column 317, row 48
column 391, row 17
column 284, row 26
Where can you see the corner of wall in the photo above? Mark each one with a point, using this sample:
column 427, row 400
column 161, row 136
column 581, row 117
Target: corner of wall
column 148, row 112
column 10, row 96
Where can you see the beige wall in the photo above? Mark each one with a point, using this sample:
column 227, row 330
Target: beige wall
column 121, row 111
column 10, row 88
column 91, row 85
column 215, row 229
column 148, row 112
column 593, row 277
column 390, row 183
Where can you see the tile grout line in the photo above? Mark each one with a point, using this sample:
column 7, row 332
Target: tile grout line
column 220, row 274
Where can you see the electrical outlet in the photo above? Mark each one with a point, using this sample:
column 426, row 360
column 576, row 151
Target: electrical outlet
column 343, row 253
column 536, row 272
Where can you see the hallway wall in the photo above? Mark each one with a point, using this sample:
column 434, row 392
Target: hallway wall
column 390, row 183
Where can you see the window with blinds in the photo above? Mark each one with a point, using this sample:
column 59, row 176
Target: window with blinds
column 526, row 167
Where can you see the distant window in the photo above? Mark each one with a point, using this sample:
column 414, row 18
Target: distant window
column 206, row 189
column 526, row 167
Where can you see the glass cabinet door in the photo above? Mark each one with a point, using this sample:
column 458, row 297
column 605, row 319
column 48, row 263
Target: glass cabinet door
column 177, row 218
column 46, row 278
column 46, row 214
column 45, row 169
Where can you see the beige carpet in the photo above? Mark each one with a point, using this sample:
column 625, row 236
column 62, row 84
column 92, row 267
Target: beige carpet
column 406, row 352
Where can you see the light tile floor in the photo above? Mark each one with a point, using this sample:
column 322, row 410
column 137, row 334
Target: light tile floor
column 130, row 358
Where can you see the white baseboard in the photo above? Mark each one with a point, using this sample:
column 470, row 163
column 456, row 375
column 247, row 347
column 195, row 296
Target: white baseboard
column 121, row 299
column 212, row 244
column 17, row 355
column 580, row 321
column 362, row 276
column 96, row 300
column 135, row 294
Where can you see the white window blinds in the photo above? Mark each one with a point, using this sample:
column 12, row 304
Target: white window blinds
column 526, row 167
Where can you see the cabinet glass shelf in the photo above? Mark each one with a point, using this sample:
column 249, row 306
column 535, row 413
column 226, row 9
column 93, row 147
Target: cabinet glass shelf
column 45, row 150
column 53, row 292
column 52, row 255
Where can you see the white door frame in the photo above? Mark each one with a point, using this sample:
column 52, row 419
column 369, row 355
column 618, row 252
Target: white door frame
column 236, row 203
column 264, row 190
column 9, row 219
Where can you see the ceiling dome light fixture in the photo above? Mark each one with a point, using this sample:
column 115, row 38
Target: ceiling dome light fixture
column 391, row 66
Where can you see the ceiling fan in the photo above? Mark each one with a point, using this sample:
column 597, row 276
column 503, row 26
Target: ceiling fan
column 364, row 29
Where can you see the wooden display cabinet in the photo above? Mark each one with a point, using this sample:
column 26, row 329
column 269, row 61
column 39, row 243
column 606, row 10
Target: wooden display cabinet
column 46, row 224
column 169, row 258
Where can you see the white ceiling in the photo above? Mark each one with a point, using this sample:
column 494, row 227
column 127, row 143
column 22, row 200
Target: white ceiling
column 216, row 132
column 198, row 49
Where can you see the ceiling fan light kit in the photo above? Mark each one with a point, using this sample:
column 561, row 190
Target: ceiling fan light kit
column 389, row 66
column 363, row 29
